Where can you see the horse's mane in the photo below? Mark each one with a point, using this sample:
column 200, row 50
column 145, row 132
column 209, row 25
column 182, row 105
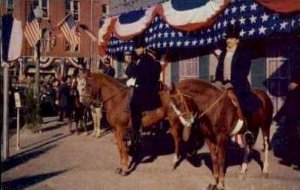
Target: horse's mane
column 197, row 86
column 108, row 78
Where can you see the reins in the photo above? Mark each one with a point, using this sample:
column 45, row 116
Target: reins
column 210, row 107
column 213, row 104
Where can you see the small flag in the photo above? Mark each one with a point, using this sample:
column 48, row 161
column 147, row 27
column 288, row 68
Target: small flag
column 12, row 38
column 68, row 28
column 32, row 29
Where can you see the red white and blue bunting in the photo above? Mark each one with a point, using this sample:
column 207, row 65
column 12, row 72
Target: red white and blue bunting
column 191, row 15
column 133, row 23
column 181, row 24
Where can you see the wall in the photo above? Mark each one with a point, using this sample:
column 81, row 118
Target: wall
column 117, row 7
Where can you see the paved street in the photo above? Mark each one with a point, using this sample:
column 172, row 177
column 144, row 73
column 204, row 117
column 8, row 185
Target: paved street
column 55, row 159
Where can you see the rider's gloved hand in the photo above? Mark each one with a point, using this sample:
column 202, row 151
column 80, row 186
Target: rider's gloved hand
column 228, row 85
column 218, row 84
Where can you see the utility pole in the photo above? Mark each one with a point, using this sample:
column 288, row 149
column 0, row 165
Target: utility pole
column 5, row 66
column 38, row 13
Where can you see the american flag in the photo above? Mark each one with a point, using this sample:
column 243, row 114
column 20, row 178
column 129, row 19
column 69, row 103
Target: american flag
column 256, row 21
column 32, row 29
column 68, row 28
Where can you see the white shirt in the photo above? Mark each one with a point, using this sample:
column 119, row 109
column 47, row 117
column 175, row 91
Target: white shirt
column 227, row 64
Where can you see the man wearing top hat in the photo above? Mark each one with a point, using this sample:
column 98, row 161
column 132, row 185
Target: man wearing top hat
column 233, row 70
column 145, row 94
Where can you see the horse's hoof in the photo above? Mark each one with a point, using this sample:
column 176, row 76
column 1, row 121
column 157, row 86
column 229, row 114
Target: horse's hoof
column 86, row 133
column 118, row 170
column 265, row 175
column 242, row 176
column 124, row 173
column 211, row 187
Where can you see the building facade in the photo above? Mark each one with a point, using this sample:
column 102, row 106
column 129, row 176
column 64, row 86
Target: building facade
column 117, row 7
column 54, row 46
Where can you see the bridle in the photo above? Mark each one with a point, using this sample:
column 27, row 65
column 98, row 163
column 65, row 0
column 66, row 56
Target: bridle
column 187, row 113
column 97, row 100
column 187, row 117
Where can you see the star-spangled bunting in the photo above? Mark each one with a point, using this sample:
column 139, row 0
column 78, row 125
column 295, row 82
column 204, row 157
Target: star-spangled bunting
column 255, row 20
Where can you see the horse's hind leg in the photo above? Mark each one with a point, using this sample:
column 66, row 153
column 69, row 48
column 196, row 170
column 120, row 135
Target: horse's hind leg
column 266, row 133
column 245, row 160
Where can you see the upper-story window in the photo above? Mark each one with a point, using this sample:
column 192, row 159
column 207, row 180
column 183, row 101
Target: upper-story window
column 44, row 5
column 9, row 6
column 73, row 7
column 104, row 10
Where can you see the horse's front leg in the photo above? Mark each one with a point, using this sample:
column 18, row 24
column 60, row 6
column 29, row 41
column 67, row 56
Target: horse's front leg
column 175, row 134
column 214, row 157
column 221, row 151
column 124, row 161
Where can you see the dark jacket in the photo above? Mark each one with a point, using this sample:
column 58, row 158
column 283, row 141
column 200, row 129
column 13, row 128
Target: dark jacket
column 64, row 95
column 131, row 70
column 240, row 68
column 291, row 107
column 145, row 93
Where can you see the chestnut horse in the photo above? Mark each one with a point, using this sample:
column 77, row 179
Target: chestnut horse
column 115, row 98
column 218, row 113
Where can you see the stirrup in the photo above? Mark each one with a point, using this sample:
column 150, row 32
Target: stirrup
column 249, row 137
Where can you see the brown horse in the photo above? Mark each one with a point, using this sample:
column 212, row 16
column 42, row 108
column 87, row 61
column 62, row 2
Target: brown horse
column 115, row 99
column 219, row 113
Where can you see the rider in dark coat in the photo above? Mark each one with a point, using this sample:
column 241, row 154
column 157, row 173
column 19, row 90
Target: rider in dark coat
column 233, row 69
column 146, row 88
column 131, row 68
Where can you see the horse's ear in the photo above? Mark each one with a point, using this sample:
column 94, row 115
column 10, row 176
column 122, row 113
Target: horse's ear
column 173, row 88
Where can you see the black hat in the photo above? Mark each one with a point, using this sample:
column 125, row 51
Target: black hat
column 127, row 53
column 233, row 31
column 139, row 41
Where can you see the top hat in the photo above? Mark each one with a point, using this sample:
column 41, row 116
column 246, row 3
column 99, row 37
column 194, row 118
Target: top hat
column 233, row 31
column 139, row 41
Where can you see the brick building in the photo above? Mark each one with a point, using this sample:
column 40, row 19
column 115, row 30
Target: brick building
column 54, row 46
column 121, row 6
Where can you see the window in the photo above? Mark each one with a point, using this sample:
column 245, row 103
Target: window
column 73, row 7
column 9, row 6
column 45, row 8
column 44, row 4
column 189, row 68
column 104, row 10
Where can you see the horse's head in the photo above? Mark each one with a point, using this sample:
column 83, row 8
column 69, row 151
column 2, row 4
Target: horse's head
column 89, row 89
column 182, row 108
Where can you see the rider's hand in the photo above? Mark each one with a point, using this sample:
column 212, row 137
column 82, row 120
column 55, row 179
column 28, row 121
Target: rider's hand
column 218, row 84
column 292, row 85
column 228, row 86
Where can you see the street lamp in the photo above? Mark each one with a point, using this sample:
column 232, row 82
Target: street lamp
column 38, row 13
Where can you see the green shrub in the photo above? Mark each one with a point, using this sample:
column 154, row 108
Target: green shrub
column 30, row 110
